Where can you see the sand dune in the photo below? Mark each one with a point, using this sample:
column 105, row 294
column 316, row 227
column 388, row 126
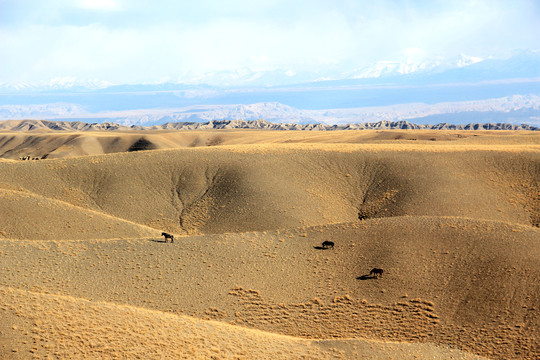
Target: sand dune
column 453, row 223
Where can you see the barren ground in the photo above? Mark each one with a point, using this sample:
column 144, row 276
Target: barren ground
column 451, row 216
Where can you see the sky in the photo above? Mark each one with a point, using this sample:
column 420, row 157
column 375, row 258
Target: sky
column 152, row 41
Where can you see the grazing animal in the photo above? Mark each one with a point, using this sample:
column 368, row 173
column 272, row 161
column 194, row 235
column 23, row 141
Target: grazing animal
column 376, row 272
column 327, row 244
column 168, row 236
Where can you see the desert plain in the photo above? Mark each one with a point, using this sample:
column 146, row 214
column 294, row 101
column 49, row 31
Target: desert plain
column 452, row 217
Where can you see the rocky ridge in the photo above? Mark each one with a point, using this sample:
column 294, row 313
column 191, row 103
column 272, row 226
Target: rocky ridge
column 37, row 125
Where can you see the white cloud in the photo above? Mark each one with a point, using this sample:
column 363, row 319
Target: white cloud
column 147, row 41
column 105, row 5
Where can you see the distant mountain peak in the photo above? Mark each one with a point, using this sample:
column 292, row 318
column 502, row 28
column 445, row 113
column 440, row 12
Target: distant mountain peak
column 387, row 68
column 72, row 82
column 56, row 84
column 466, row 60
column 464, row 67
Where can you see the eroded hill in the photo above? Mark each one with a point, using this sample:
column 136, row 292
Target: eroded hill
column 211, row 190
column 454, row 225
column 67, row 140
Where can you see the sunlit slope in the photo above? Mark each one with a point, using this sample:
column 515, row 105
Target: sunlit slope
column 67, row 327
column 246, row 188
column 61, row 144
column 29, row 216
column 452, row 281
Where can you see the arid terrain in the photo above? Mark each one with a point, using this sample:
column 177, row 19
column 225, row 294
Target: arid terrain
column 452, row 217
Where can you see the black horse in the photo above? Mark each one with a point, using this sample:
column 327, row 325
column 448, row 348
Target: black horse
column 168, row 236
column 376, row 272
column 327, row 244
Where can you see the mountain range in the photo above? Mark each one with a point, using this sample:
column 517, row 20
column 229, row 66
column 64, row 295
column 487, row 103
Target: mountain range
column 524, row 64
column 464, row 90
column 515, row 109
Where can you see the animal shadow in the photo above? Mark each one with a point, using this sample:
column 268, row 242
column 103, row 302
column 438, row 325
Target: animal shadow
column 325, row 245
column 375, row 273
column 366, row 277
column 158, row 240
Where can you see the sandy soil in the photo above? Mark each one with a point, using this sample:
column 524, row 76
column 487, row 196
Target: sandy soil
column 84, row 272
column 61, row 144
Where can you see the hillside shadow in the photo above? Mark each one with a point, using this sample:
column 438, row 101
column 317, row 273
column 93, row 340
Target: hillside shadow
column 141, row 144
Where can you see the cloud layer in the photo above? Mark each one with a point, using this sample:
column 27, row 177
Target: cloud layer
column 147, row 41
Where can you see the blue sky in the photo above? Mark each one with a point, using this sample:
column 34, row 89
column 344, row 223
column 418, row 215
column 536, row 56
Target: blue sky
column 123, row 41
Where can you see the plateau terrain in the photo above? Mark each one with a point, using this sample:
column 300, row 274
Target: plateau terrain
column 451, row 216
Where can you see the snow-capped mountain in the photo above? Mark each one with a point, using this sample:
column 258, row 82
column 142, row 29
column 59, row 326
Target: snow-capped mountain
column 461, row 69
column 248, row 77
column 507, row 90
column 56, row 84
column 18, row 86
column 389, row 68
column 431, row 71
column 386, row 69
column 379, row 69
column 74, row 83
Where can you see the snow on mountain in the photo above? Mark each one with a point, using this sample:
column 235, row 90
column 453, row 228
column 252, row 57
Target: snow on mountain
column 247, row 77
column 55, row 84
column 379, row 69
column 521, row 65
column 389, row 68
column 436, row 70
column 281, row 77
column 17, row 86
column 63, row 83
column 465, row 60
column 382, row 69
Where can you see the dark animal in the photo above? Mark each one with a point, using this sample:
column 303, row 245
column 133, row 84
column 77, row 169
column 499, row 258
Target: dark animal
column 376, row 272
column 327, row 244
column 168, row 236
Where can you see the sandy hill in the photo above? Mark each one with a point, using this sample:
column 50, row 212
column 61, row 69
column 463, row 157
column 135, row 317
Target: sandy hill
column 246, row 188
column 454, row 225
column 70, row 142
